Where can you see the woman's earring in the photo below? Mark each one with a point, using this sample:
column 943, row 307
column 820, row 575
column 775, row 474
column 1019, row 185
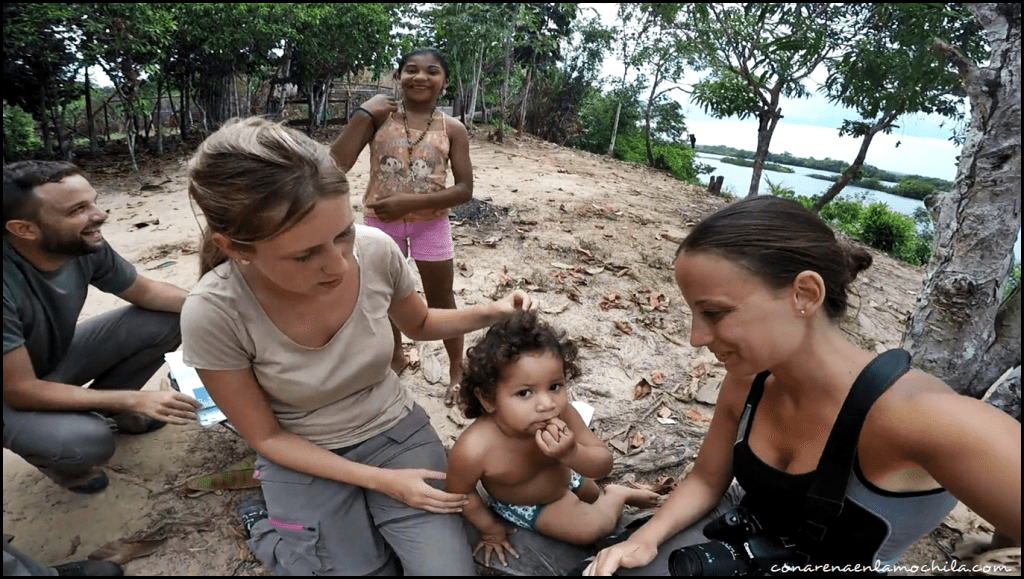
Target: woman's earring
column 803, row 312
column 244, row 261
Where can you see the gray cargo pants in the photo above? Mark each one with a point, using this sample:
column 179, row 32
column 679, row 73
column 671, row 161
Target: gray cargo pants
column 322, row 527
column 119, row 350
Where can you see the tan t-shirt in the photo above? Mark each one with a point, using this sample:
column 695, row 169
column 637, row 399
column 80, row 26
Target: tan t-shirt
column 334, row 396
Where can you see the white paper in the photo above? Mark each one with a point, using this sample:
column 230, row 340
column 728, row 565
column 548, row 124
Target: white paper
column 190, row 384
column 586, row 411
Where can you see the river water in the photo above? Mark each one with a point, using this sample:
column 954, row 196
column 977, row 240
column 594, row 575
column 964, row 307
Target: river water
column 737, row 181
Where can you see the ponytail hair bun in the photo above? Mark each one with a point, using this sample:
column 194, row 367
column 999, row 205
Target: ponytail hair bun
column 776, row 239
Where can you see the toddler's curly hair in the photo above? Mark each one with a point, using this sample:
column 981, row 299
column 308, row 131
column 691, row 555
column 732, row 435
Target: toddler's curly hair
column 504, row 343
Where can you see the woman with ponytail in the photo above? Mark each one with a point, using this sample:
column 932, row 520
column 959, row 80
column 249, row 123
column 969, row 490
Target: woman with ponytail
column 767, row 283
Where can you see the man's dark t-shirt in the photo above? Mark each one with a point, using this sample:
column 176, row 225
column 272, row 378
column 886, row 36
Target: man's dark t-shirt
column 41, row 309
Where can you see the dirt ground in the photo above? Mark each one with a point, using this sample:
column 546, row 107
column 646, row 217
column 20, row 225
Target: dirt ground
column 592, row 238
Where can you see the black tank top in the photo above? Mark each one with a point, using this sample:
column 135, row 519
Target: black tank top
column 874, row 525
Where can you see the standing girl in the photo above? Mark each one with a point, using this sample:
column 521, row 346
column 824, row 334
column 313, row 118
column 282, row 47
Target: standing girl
column 411, row 145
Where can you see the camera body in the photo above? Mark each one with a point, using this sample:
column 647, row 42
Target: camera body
column 738, row 546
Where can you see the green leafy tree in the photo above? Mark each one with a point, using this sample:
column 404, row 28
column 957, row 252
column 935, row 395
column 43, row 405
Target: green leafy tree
column 328, row 41
column 19, row 133
column 126, row 40
column 756, row 54
column 661, row 57
column 468, row 35
column 40, row 64
column 888, row 70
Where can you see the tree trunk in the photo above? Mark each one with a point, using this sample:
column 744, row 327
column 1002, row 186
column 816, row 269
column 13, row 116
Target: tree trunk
column 768, row 119
column 90, row 122
column 615, row 129
column 850, row 171
column 159, row 117
column 526, row 101
column 500, row 129
column 953, row 334
column 647, row 117
column 476, row 87
column 44, row 123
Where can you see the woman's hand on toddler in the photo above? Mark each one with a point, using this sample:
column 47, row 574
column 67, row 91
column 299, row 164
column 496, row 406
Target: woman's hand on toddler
column 409, row 485
column 514, row 302
column 556, row 439
column 495, row 542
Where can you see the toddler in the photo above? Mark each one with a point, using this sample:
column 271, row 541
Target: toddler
column 529, row 447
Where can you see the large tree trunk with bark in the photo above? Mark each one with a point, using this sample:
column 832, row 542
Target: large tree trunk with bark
column 962, row 331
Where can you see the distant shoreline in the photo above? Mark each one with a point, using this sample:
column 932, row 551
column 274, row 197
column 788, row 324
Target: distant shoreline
column 869, row 177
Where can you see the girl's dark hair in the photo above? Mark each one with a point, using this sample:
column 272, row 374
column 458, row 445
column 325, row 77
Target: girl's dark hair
column 255, row 179
column 432, row 52
column 504, row 343
column 776, row 239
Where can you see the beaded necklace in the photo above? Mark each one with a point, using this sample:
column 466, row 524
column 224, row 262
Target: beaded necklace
column 408, row 136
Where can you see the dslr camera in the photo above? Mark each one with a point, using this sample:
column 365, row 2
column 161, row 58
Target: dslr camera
column 738, row 546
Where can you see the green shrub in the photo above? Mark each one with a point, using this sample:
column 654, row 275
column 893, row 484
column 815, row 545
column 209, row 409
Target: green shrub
column 1013, row 282
column 844, row 215
column 886, row 230
column 913, row 188
column 20, row 137
column 679, row 160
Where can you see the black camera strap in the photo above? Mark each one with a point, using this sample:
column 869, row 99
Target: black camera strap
column 826, row 495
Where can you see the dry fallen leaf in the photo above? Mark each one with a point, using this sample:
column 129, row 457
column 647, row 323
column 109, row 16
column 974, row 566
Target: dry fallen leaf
column 696, row 416
column 637, row 441
column 641, row 390
column 465, row 270
column 657, row 378
column 573, row 295
column 664, row 485
column 624, row 328
column 503, row 278
column 76, row 542
column 657, row 301
column 698, row 371
column 618, row 445
column 121, row 552
column 665, row 412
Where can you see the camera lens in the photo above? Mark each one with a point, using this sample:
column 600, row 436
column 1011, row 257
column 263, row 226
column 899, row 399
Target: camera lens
column 708, row 559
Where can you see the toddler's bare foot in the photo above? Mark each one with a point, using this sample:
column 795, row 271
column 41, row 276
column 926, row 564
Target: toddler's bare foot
column 639, row 498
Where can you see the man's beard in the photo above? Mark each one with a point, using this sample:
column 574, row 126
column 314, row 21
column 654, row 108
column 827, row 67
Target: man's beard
column 62, row 244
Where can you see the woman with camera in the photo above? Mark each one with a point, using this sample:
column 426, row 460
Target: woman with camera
column 767, row 283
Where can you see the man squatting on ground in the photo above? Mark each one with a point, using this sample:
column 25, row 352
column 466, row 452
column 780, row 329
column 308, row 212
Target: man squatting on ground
column 53, row 251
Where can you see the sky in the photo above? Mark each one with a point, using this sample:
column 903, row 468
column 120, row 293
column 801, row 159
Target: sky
column 921, row 144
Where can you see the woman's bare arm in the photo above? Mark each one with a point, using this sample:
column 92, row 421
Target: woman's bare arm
column 696, row 495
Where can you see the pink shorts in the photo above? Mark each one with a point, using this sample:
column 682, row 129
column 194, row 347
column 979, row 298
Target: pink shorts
column 423, row 240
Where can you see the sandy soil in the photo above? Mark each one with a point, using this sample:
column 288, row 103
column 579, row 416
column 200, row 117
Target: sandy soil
column 592, row 238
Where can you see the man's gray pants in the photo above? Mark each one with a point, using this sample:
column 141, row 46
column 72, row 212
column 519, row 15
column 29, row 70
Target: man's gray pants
column 119, row 350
